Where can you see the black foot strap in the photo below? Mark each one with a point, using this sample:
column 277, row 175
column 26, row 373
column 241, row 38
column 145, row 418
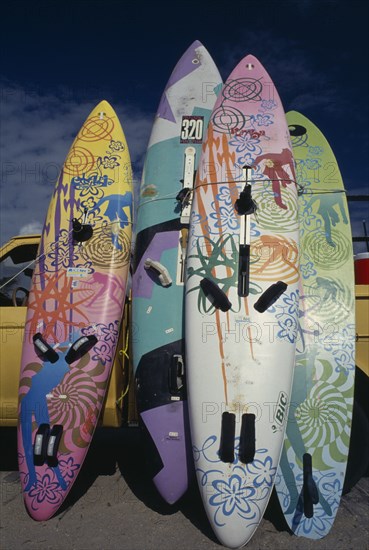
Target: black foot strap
column 215, row 295
column 247, row 438
column 226, row 449
column 80, row 347
column 269, row 296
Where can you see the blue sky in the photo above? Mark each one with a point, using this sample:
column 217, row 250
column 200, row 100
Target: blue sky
column 59, row 59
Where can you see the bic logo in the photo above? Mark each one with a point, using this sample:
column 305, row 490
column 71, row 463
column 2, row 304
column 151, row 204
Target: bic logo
column 280, row 410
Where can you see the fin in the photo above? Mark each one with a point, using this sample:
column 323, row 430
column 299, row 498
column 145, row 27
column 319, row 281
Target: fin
column 43, row 350
column 247, row 438
column 159, row 270
column 226, row 448
column 215, row 295
column 269, row 296
column 80, row 347
column 310, row 490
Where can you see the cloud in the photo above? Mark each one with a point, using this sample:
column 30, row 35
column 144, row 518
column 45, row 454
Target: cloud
column 36, row 133
column 32, row 228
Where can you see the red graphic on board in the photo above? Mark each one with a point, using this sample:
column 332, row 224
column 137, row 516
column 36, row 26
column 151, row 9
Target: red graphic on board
column 274, row 169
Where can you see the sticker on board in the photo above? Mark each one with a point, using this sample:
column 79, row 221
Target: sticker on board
column 192, row 129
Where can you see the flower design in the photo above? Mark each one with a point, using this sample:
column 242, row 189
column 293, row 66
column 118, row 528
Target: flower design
column 195, row 217
column 46, row 489
column 233, row 495
column 315, row 150
column 110, row 162
column 102, row 353
column 245, row 142
column 247, row 160
column 307, row 270
column 68, row 468
column 264, row 119
column 317, row 523
column 225, row 217
column 332, row 490
column 268, row 105
column 345, row 361
column 63, row 257
column 288, row 329
column 227, row 195
column 110, row 333
column 88, row 203
column 313, row 164
column 91, row 189
column 116, row 145
column 263, row 471
column 292, row 301
column 347, row 341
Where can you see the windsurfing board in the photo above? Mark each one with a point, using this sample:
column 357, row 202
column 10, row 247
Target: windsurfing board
column 74, row 311
column 160, row 254
column 313, row 463
column 241, row 301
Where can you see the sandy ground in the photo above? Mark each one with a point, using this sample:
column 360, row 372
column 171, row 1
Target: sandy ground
column 113, row 506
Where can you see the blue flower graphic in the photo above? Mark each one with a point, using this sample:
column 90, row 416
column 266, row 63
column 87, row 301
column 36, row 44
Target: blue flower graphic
column 263, row 471
column 245, row 142
column 62, row 257
column 332, row 491
column 344, row 361
column 307, row 270
column 268, row 105
column 225, row 217
column 288, row 329
column 313, row 164
column 315, row 150
column 264, row 120
column 316, row 524
column 347, row 340
column 227, row 195
column 292, row 301
column 110, row 161
column 233, row 496
column 195, row 217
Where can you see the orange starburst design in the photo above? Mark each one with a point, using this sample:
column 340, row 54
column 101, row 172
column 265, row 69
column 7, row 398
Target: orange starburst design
column 56, row 308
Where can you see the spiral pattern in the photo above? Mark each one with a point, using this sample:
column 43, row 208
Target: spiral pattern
column 322, row 421
column 274, row 258
column 96, row 128
column 271, row 217
column 243, row 89
column 225, row 118
column 101, row 250
column 330, row 297
column 79, row 161
column 70, row 400
column 324, row 254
